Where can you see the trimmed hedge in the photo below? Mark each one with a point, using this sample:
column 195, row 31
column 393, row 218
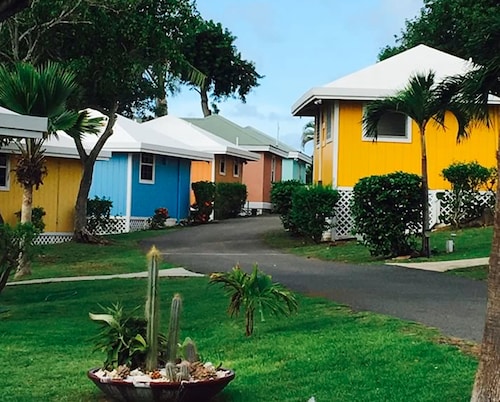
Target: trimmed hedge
column 229, row 199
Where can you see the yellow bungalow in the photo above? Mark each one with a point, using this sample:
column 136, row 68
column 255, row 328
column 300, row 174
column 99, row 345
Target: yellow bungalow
column 57, row 195
column 342, row 152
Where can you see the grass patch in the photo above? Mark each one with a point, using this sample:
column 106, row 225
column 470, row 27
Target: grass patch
column 477, row 273
column 469, row 243
column 121, row 255
column 325, row 350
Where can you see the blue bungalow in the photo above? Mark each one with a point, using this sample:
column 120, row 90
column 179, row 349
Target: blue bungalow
column 145, row 172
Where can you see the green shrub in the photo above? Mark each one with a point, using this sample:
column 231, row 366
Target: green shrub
column 98, row 214
column 13, row 241
column 37, row 214
column 229, row 199
column 204, row 194
column 463, row 203
column 311, row 207
column 281, row 197
column 387, row 212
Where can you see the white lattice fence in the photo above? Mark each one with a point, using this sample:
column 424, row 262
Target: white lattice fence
column 344, row 223
column 52, row 238
column 115, row 225
column 484, row 198
column 138, row 223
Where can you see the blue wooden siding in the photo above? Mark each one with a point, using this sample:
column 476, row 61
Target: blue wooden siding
column 169, row 190
column 110, row 181
column 293, row 170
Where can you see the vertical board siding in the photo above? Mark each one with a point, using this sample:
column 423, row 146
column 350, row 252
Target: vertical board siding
column 358, row 158
column 110, row 181
column 253, row 176
column 184, row 188
column 165, row 190
column 200, row 171
column 57, row 194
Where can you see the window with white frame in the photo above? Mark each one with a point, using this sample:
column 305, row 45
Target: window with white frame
column 222, row 166
column 4, row 172
column 236, row 169
column 393, row 127
column 273, row 169
column 147, row 168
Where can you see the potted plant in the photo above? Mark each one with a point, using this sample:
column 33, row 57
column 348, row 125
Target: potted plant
column 143, row 365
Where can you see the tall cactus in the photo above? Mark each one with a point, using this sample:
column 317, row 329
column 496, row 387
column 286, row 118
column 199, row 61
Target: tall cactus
column 173, row 328
column 152, row 310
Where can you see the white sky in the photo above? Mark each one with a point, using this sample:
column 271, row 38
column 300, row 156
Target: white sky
column 297, row 45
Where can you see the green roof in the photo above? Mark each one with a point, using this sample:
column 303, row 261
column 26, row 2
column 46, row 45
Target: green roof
column 248, row 137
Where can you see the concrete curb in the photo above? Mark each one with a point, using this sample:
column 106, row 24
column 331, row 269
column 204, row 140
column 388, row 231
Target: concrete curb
column 443, row 266
column 169, row 272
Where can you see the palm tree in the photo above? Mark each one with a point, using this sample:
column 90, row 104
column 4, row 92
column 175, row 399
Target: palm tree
column 44, row 92
column 308, row 133
column 475, row 88
column 422, row 100
column 255, row 291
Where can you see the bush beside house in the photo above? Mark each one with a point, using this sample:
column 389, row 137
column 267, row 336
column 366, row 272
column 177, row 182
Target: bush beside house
column 387, row 212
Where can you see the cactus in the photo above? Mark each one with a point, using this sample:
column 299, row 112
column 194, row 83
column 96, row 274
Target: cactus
column 189, row 350
column 171, row 372
column 152, row 310
column 173, row 328
column 183, row 374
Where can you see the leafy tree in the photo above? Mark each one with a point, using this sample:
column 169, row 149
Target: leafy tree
column 94, row 40
column 211, row 50
column 464, row 28
column 422, row 100
column 10, row 7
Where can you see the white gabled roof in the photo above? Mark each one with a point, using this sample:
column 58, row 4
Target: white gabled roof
column 131, row 136
column 197, row 138
column 61, row 147
column 385, row 78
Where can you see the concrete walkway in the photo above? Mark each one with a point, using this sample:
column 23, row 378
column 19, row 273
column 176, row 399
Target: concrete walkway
column 173, row 272
column 443, row 266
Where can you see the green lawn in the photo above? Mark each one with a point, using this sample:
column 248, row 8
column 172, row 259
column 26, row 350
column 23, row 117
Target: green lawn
column 119, row 255
column 325, row 350
column 469, row 243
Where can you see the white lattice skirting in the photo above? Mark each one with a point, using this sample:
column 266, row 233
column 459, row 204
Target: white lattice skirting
column 343, row 223
column 116, row 225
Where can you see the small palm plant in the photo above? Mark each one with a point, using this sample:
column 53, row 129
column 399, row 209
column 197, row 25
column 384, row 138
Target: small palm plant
column 254, row 292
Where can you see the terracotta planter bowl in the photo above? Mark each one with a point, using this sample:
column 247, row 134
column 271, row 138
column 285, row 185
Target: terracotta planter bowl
column 125, row 391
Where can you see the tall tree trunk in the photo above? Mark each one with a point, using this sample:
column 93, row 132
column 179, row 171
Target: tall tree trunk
column 204, row 101
column 487, row 383
column 24, row 264
column 80, row 233
column 426, row 248
column 27, row 203
column 161, row 105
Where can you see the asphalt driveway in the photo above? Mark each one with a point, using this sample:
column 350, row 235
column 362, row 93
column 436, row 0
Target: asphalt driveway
column 454, row 305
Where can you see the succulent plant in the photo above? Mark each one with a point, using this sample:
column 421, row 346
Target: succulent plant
column 152, row 310
column 174, row 328
column 171, row 372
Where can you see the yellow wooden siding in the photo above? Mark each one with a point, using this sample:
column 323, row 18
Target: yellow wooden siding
column 358, row 158
column 57, row 195
column 323, row 155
